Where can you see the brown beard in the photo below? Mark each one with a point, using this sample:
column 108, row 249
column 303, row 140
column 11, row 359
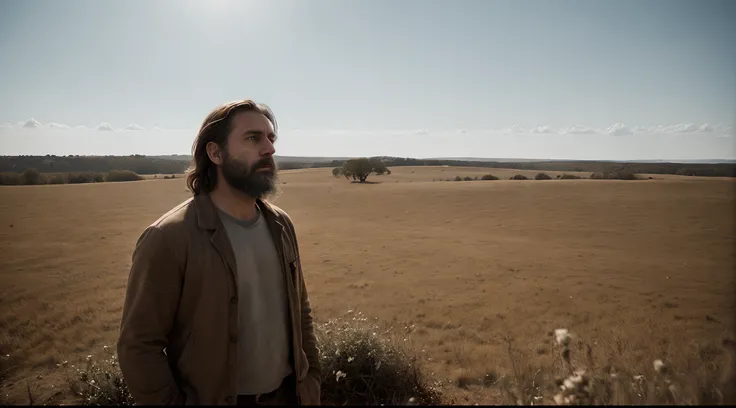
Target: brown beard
column 244, row 178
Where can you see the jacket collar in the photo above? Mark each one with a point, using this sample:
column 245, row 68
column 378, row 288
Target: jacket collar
column 207, row 217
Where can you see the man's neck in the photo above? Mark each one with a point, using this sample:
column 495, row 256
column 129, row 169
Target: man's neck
column 234, row 203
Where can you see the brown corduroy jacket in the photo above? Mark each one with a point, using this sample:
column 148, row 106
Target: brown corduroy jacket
column 179, row 330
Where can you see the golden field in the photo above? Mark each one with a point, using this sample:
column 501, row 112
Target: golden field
column 639, row 269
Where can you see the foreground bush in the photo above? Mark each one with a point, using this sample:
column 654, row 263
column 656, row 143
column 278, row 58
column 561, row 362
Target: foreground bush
column 361, row 365
column 100, row 383
column 518, row 177
column 542, row 176
column 489, row 177
column 122, row 175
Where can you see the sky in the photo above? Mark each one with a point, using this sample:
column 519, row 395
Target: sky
column 563, row 79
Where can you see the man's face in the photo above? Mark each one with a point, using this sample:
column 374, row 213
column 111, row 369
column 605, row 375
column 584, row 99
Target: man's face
column 247, row 159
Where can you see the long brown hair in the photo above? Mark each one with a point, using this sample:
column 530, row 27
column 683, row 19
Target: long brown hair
column 202, row 174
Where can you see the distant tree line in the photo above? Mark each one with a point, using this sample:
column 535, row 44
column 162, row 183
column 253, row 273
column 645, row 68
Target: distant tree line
column 35, row 177
column 603, row 167
column 156, row 165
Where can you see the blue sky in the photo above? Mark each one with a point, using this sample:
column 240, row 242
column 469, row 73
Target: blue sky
column 624, row 79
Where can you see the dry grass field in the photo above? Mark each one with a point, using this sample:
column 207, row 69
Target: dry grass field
column 639, row 270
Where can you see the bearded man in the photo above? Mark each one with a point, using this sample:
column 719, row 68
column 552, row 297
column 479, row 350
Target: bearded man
column 216, row 309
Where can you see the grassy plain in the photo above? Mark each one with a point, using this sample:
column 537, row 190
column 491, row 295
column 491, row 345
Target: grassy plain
column 637, row 269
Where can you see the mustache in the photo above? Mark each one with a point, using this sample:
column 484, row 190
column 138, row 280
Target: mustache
column 264, row 162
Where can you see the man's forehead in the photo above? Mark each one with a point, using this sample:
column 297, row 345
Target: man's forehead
column 252, row 120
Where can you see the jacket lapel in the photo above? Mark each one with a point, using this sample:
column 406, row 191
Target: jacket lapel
column 208, row 219
column 222, row 243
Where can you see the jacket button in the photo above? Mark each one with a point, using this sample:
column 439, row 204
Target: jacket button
column 233, row 300
column 233, row 338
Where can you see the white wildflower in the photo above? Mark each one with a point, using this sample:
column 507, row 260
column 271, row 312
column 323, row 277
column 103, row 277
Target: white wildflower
column 658, row 366
column 562, row 337
column 378, row 365
column 340, row 375
column 350, row 359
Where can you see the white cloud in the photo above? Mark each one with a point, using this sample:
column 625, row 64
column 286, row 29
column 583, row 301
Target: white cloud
column 5, row 125
column 513, row 129
column 157, row 129
column 82, row 127
column 420, row 132
column 32, row 124
column 619, row 129
column 578, row 130
column 640, row 129
column 462, row 131
column 104, row 126
column 681, row 128
column 706, row 128
column 133, row 126
column 56, row 126
column 543, row 129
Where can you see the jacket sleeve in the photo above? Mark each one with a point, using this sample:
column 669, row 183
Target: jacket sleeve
column 151, row 301
column 309, row 340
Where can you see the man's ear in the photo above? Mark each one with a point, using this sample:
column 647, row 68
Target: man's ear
column 214, row 153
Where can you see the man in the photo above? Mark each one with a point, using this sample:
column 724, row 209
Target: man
column 216, row 310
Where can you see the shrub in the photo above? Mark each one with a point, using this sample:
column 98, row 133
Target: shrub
column 624, row 175
column 615, row 175
column 597, row 176
column 542, row 176
column 362, row 366
column 32, row 177
column 489, row 177
column 519, row 177
column 468, row 178
column 458, row 178
column 122, row 175
column 100, row 384
column 569, row 177
column 55, row 179
column 81, row 178
column 10, row 179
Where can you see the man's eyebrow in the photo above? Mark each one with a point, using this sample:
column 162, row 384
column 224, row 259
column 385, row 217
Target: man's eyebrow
column 256, row 132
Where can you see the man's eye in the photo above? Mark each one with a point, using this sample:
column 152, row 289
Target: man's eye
column 254, row 138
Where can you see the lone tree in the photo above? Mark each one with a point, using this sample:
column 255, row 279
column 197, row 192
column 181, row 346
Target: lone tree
column 337, row 172
column 360, row 169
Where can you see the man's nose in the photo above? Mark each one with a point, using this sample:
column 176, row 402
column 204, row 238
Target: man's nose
column 269, row 149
